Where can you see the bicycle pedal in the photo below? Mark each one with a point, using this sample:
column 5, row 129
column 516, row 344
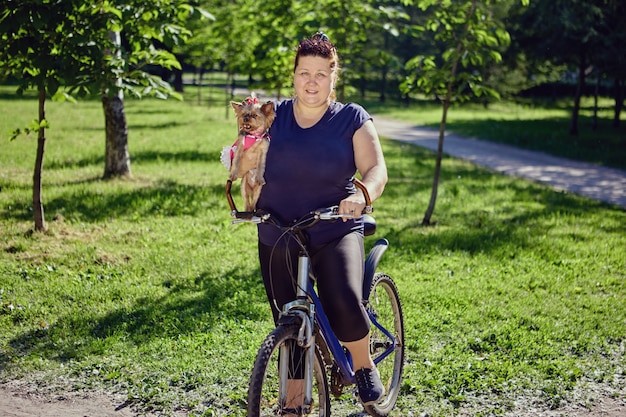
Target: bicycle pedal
column 336, row 387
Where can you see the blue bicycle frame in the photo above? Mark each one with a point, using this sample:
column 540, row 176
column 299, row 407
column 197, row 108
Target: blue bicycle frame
column 342, row 357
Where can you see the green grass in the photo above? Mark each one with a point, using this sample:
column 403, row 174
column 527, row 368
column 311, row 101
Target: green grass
column 144, row 287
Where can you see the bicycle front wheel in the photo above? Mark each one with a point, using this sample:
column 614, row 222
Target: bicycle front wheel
column 385, row 309
column 263, row 393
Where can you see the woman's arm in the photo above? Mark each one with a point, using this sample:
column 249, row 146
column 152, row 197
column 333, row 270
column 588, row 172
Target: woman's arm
column 370, row 163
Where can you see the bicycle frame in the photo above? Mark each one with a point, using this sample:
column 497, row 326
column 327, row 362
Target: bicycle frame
column 307, row 314
column 310, row 312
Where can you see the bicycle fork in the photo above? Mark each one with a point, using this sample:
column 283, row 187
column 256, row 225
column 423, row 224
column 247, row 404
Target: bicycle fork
column 304, row 311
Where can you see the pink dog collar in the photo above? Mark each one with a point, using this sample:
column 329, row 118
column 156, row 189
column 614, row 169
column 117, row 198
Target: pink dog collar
column 228, row 152
column 248, row 141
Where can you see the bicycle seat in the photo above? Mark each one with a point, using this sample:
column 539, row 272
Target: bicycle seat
column 369, row 225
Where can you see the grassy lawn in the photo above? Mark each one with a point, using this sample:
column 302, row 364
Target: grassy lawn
column 144, row 287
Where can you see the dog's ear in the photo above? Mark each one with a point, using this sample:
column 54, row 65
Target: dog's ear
column 236, row 106
column 268, row 110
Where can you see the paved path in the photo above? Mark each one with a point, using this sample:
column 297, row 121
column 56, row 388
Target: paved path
column 600, row 183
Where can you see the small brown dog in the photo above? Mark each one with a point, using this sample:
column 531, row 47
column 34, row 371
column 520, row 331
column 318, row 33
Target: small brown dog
column 247, row 155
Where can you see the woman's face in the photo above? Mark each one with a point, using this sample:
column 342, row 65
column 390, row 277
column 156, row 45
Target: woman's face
column 314, row 79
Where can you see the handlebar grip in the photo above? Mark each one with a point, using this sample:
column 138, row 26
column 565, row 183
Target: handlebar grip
column 229, row 196
column 368, row 201
column 234, row 213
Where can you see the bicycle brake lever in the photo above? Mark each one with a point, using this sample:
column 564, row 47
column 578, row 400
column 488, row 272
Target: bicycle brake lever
column 252, row 218
column 327, row 213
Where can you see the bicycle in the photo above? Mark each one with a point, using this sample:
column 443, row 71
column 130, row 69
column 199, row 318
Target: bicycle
column 303, row 337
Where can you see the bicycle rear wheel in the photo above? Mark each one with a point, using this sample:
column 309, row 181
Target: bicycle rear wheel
column 263, row 393
column 385, row 308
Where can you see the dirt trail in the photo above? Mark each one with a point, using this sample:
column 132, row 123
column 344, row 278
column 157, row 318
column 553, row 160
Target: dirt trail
column 18, row 402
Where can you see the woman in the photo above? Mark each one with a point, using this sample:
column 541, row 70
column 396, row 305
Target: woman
column 317, row 146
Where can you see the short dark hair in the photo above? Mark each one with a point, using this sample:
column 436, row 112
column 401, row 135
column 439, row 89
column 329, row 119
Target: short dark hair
column 317, row 45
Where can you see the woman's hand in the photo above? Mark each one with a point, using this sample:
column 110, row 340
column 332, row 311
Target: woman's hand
column 352, row 206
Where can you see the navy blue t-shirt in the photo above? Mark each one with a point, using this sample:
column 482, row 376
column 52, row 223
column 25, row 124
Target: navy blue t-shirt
column 309, row 169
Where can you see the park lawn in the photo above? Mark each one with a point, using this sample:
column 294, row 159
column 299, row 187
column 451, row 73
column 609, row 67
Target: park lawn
column 142, row 286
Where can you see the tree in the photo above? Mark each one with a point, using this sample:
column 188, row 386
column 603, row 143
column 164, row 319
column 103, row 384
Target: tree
column 469, row 38
column 129, row 34
column 611, row 58
column 270, row 42
column 35, row 50
column 521, row 68
column 361, row 31
column 65, row 47
column 201, row 50
column 566, row 32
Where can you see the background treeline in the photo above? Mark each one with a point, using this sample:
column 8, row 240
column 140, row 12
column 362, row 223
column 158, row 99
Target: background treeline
column 557, row 48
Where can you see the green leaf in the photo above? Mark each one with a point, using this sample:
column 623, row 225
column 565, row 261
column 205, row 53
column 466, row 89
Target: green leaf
column 33, row 126
column 33, row 72
column 176, row 95
column 63, row 96
column 496, row 56
column 15, row 134
column 205, row 14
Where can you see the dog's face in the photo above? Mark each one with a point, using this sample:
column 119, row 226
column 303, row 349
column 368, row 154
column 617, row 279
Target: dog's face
column 253, row 117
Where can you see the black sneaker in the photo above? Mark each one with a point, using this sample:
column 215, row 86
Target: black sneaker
column 369, row 386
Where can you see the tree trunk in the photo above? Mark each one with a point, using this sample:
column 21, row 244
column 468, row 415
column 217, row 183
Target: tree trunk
column 594, row 124
column 619, row 102
column 178, row 81
column 362, row 82
column 200, row 75
column 383, row 86
column 442, row 125
column 230, row 92
column 279, row 88
column 573, row 129
column 435, row 189
column 40, row 221
column 117, row 157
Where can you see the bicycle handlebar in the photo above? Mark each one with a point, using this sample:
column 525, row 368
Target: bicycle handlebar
column 321, row 214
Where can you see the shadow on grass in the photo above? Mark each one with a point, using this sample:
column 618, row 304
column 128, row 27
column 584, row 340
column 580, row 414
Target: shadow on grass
column 134, row 127
column 186, row 308
column 492, row 230
column 493, row 227
column 135, row 108
column 604, row 145
column 145, row 157
column 184, row 304
column 164, row 199
column 200, row 303
column 165, row 125
column 148, row 157
column 9, row 93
